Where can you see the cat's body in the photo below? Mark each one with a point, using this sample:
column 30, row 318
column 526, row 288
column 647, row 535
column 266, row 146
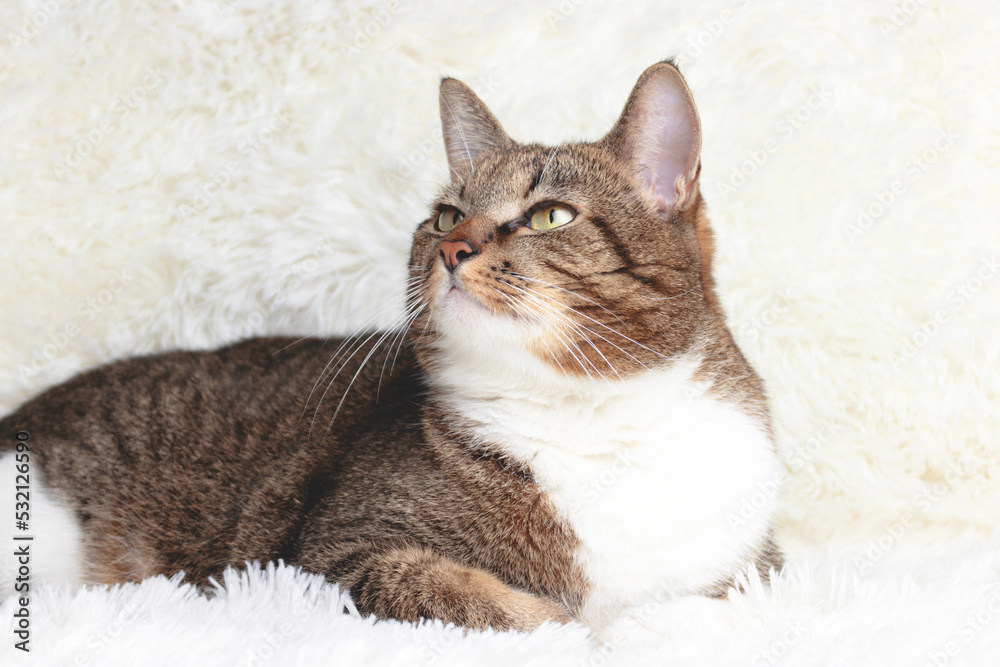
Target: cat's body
column 569, row 429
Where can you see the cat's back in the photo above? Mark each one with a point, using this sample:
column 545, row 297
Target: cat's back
column 219, row 400
column 192, row 460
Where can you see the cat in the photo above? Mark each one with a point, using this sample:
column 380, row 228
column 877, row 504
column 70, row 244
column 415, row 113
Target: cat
column 562, row 429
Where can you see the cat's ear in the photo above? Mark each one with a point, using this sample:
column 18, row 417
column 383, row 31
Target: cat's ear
column 658, row 136
column 468, row 127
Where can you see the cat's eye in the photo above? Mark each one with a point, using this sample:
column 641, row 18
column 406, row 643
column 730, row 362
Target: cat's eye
column 551, row 217
column 448, row 219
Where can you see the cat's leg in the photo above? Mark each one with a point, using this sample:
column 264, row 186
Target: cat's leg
column 410, row 582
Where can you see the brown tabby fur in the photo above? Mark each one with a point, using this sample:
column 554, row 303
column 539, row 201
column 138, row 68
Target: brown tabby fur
column 198, row 460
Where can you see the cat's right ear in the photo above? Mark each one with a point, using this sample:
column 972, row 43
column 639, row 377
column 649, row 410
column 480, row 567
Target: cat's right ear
column 468, row 127
column 658, row 136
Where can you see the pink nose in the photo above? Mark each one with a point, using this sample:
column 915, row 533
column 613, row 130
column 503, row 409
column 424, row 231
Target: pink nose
column 455, row 252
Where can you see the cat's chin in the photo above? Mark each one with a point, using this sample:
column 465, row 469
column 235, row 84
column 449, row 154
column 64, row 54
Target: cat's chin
column 461, row 315
column 455, row 301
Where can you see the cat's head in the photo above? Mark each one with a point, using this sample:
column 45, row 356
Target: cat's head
column 593, row 257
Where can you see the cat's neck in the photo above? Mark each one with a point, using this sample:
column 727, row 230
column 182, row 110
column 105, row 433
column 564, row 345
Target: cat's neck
column 516, row 402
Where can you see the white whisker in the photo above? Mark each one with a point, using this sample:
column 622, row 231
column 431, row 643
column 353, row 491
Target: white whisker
column 562, row 339
column 546, row 167
column 601, row 324
column 576, row 294
column 577, row 326
column 398, row 340
column 351, row 340
column 357, row 373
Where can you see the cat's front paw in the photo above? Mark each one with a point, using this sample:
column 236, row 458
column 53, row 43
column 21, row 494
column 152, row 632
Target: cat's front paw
column 414, row 583
column 483, row 602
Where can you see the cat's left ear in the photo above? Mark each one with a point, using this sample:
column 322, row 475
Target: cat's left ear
column 659, row 136
column 468, row 126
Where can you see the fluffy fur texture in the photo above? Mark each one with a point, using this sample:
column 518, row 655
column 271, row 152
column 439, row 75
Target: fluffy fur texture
column 239, row 168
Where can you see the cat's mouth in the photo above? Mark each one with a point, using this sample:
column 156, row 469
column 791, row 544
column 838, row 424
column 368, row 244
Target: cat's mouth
column 459, row 296
column 462, row 300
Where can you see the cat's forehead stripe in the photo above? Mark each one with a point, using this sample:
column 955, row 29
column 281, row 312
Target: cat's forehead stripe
column 518, row 175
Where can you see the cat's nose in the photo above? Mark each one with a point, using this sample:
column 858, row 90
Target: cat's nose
column 455, row 252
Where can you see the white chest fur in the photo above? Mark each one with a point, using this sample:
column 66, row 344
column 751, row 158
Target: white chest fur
column 649, row 472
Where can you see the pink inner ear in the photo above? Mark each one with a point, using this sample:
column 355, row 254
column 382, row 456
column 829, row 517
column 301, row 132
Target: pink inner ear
column 666, row 147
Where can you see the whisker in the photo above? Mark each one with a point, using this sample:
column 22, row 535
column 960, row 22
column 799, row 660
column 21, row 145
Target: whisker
column 534, row 318
column 399, row 337
column 423, row 332
column 581, row 331
column 576, row 294
column 577, row 326
column 697, row 284
column 350, row 341
column 353, row 345
column 358, row 344
column 361, row 367
column 599, row 323
column 567, row 341
column 294, row 342
column 546, row 167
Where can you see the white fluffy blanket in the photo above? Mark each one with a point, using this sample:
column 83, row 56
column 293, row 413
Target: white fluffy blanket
column 189, row 173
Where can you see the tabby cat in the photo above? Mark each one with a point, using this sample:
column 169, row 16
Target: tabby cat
column 563, row 429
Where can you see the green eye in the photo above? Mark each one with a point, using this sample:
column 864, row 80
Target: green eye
column 448, row 219
column 551, row 217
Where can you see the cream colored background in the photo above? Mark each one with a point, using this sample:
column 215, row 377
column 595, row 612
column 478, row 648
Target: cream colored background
column 185, row 174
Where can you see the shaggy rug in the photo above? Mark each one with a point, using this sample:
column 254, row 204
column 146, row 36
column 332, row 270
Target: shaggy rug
column 184, row 174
